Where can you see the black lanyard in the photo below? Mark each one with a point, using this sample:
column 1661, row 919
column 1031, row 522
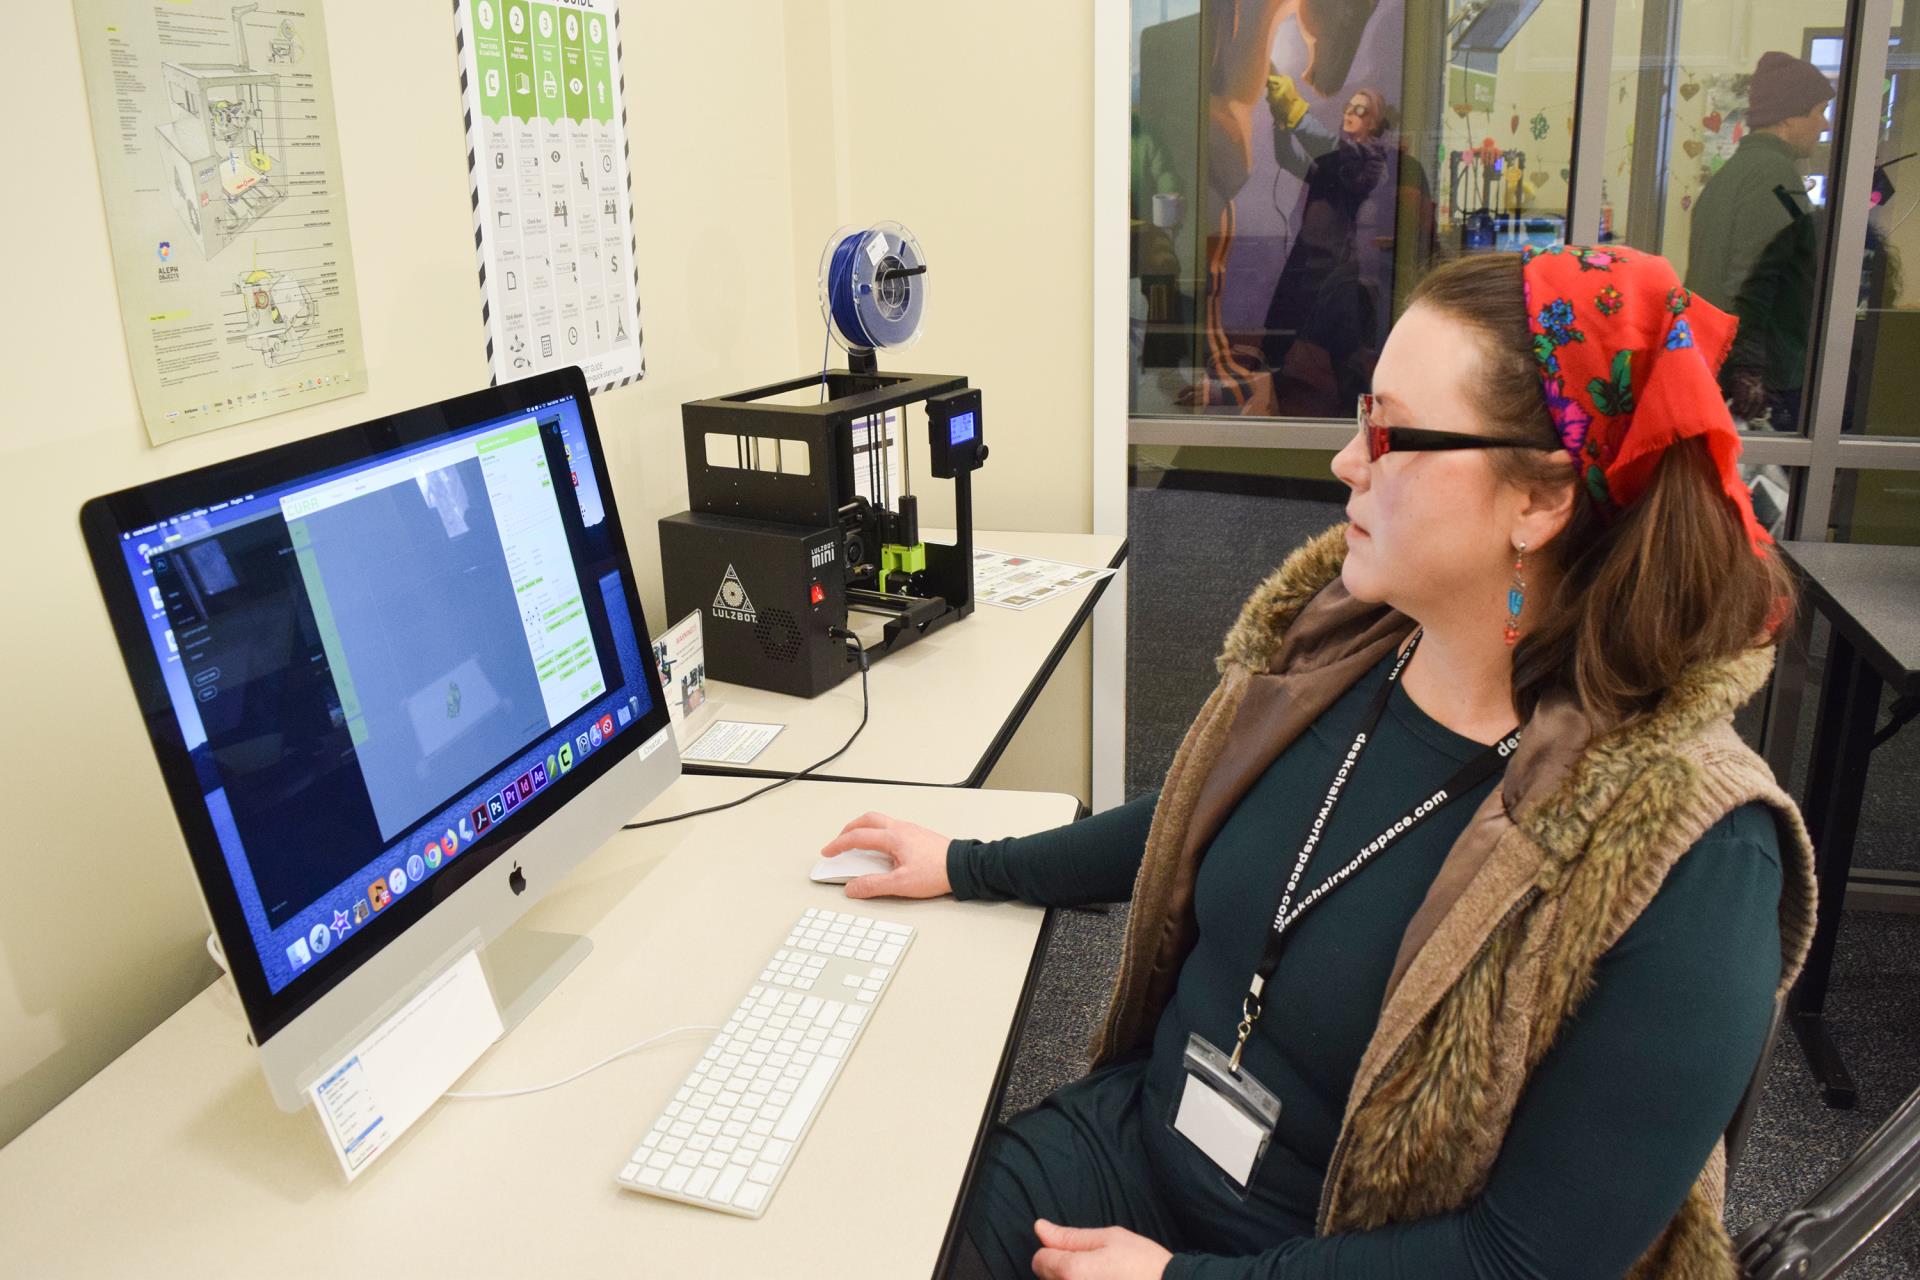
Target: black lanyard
column 1471, row 775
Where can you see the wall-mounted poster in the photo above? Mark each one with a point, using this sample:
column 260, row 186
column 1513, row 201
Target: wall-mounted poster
column 552, row 208
column 213, row 125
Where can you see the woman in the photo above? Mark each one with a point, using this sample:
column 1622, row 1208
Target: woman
column 1508, row 1043
column 1321, row 332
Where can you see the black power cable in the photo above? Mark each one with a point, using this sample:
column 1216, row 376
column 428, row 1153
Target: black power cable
column 859, row 651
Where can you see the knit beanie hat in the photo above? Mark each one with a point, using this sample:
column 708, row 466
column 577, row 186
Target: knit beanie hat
column 1784, row 86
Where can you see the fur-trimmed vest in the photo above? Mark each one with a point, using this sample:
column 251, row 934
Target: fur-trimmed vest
column 1550, row 871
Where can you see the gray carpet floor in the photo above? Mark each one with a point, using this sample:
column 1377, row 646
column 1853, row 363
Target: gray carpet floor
column 1195, row 555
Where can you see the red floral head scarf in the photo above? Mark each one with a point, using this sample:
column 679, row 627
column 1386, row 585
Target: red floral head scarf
column 1628, row 362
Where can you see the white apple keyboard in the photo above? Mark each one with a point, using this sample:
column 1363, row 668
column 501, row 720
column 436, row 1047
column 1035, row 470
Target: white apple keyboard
column 732, row 1128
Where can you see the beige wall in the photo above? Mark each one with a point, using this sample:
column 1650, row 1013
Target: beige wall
column 981, row 143
column 741, row 166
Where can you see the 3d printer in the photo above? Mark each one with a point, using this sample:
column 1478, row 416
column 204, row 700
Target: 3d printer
column 794, row 526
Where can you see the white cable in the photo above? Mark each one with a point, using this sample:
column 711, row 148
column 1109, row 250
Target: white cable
column 555, row 1084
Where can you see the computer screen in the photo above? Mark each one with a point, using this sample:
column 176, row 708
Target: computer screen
column 376, row 671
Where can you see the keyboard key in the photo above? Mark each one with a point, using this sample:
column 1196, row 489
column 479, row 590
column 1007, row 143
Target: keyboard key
column 698, row 1184
column 764, row 1172
column 728, row 1183
column 889, row 954
column 751, row 1197
column 676, row 1178
column 779, row 1151
column 805, row 1098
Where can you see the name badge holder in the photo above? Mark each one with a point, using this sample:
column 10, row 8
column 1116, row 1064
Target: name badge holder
column 1223, row 1110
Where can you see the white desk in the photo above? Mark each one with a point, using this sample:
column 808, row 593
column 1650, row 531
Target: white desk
column 975, row 678
column 174, row 1161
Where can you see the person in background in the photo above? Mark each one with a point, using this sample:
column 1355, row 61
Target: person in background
column 1321, row 331
column 1753, row 245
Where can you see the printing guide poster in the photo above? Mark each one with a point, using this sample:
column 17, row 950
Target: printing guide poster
column 220, row 166
column 552, row 206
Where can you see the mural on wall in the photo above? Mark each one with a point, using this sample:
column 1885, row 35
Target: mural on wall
column 1301, row 171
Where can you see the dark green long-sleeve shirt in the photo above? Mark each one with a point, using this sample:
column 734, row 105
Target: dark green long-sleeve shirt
column 1615, row 1124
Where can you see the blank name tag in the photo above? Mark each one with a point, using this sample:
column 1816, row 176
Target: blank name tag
column 1229, row 1137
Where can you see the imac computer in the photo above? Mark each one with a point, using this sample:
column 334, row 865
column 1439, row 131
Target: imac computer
column 398, row 683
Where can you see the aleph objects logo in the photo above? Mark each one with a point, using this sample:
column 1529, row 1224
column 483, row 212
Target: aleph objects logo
column 165, row 250
column 731, row 600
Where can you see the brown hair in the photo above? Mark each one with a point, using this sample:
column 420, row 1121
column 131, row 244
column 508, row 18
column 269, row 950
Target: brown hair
column 1670, row 583
column 1377, row 122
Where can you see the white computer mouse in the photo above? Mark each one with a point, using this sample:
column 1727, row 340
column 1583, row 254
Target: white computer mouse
column 842, row 867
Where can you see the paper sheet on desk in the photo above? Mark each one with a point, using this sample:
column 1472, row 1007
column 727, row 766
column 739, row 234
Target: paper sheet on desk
column 373, row 1095
column 1021, row 582
column 731, row 742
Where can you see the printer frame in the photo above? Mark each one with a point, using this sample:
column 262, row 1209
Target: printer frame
column 775, row 559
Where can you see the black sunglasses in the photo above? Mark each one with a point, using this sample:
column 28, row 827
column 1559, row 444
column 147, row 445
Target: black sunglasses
column 1381, row 441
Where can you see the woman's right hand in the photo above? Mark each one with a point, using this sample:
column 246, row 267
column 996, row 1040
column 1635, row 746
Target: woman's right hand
column 919, row 857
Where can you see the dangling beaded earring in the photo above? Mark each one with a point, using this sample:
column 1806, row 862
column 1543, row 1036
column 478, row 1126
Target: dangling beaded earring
column 1516, row 596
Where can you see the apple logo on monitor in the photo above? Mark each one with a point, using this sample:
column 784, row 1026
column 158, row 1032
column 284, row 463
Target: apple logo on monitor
column 516, row 881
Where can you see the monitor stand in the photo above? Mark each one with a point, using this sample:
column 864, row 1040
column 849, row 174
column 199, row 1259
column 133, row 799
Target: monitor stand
column 524, row 965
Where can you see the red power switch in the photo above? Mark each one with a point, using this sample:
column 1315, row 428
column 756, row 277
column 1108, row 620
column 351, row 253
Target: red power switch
column 818, row 594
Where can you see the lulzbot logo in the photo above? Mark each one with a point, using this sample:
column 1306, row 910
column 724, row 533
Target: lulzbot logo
column 820, row 555
column 731, row 600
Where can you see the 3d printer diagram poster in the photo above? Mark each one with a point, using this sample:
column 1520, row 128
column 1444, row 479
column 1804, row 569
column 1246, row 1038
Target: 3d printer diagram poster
column 213, row 126
column 552, row 209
